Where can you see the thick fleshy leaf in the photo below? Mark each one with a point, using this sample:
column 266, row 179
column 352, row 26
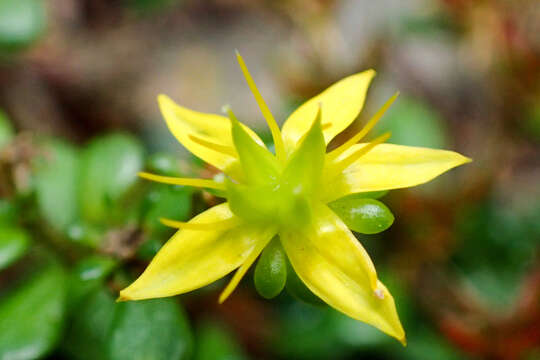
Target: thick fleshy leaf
column 271, row 271
column 389, row 166
column 194, row 258
column 365, row 216
column 108, row 169
column 55, row 176
column 153, row 329
column 32, row 315
column 215, row 342
column 88, row 329
column 212, row 128
column 333, row 264
column 13, row 245
column 341, row 104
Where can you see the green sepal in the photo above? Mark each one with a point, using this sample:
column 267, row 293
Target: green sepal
column 271, row 270
column 252, row 203
column 363, row 215
column 259, row 165
column 304, row 169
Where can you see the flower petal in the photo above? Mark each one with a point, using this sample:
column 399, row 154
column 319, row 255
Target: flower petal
column 389, row 166
column 334, row 266
column 184, row 123
column 194, row 258
column 341, row 104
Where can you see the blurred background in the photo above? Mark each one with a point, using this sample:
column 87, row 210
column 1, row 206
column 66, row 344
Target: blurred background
column 79, row 118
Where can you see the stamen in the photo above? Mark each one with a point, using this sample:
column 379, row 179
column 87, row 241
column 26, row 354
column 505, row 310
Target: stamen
column 202, row 183
column 240, row 274
column 272, row 124
column 379, row 293
column 224, row 149
column 217, row 225
column 343, row 164
column 326, row 125
column 367, row 128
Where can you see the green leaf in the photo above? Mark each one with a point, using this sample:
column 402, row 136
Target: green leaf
column 13, row 244
column 425, row 341
column 6, row 129
column 215, row 343
column 365, row 216
column 165, row 201
column 87, row 334
column 55, row 175
column 321, row 333
column 150, row 329
column 85, row 234
column 87, row 276
column 151, row 6
column 21, row 23
column 109, row 167
column 163, row 164
column 31, row 315
column 149, row 248
column 8, row 212
column 271, row 270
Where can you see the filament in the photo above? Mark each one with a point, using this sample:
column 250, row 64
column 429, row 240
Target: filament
column 326, row 125
column 224, row 149
column 344, row 163
column 202, row 183
column 239, row 274
column 216, row 225
column 272, row 124
column 367, row 128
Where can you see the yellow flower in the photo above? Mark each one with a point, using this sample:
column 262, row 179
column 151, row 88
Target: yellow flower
column 287, row 195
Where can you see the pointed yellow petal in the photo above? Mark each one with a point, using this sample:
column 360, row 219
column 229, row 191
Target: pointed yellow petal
column 341, row 104
column 210, row 128
column 334, row 266
column 193, row 258
column 389, row 166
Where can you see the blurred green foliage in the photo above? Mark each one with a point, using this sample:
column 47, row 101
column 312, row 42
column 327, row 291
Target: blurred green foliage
column 413, row 123
column 84, row 227
column 32, row 314
column 215, row 342
column 507, row 237
column 21, row 23
column 6, row 129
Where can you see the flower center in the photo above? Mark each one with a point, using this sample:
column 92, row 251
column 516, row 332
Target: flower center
column 280, row 202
